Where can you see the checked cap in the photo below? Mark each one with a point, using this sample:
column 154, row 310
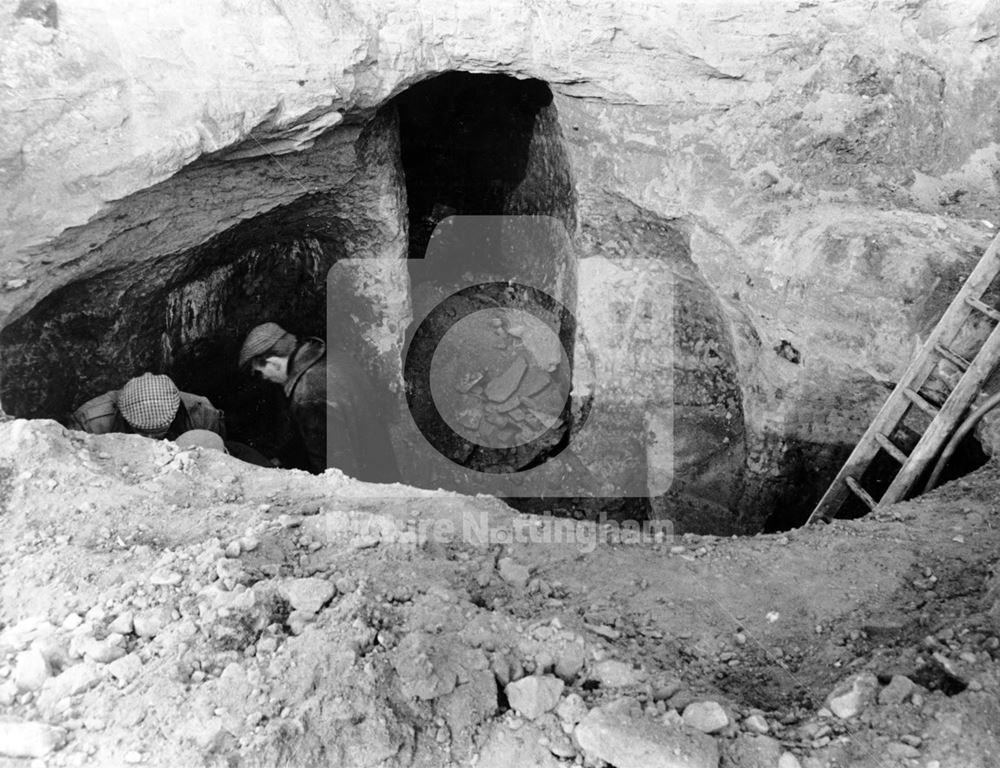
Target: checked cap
column 149, row 402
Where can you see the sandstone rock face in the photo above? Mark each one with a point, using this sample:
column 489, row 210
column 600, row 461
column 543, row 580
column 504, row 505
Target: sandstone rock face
column 813, row 179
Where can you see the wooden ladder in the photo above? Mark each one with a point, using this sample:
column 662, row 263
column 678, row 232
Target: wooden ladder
column 944, row 419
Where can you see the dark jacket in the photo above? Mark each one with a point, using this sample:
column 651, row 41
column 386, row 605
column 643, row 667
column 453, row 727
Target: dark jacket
column 100, row 415
column 329, row 389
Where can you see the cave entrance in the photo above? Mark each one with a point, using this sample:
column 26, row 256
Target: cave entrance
column 491, row 214
column 480, row 145
column 171, row 278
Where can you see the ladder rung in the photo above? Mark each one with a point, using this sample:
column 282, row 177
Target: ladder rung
column 860, row 492
column 986, row 309
column 952, row 357
column 890, row 448
column 928, row 408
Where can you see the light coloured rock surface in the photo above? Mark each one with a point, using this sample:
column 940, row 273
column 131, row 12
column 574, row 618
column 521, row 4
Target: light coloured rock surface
column 513, row 573
column 850, row 698
column 307, row 595
column 150, row 623
column 123, row 623
column 102, row 651
column 26, row 739
column 612, row 673
column 632, row 743
column 788, row 760
column 126, row 669
column 70, row 682
column 705, row 716
column 519, row 747
column 31, row 670
column 754, row 751
column 534, row 695
column 897, row 691
column 757, row 724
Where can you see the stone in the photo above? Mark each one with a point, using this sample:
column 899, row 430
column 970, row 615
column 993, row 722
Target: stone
column 79, row 639
column 346, row 585
column 228, row 569
column 102, row 651
column 150, row 623
column 72, row 621
column 297, row 621
column 665, row 689
column 900, row 750
column 165, row 578
column 705, row 716
column 123, row 623
column 897, row 691
column 572, row 709
column 29, row 739
column 611, row 673
column 628, row 742
column 849, row 698
column 8, row 693
column 513, row 573
column 749, row 751
column 307, row 595
column 603, row 630
column 788, row 760
column 534, row 695
column 72, row 681
column 465, row 709
column 126, row 669
column 507, row 747
column 504, row 385
column 756, row 724
column 233, row 549
column 53, row 649
column 31, row 670
column 569, row 661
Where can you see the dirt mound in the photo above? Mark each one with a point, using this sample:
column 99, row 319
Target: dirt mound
column 172, row 608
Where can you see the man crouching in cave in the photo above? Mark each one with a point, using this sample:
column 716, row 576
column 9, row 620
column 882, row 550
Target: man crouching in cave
column 324, row 387
column 149, row 405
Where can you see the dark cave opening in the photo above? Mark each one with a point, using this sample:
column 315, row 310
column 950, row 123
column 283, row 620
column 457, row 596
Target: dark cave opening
column 479, row 145
column 490, row 202
column 185, row 309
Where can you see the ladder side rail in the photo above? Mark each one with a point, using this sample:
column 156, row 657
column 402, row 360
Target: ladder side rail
column 942, row 427
column 913, row 377
column 888, row 416
column 960, row 308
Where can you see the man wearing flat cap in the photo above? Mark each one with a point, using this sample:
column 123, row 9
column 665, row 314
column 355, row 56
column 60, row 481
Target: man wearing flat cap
column 331, row 402
column 148, row 405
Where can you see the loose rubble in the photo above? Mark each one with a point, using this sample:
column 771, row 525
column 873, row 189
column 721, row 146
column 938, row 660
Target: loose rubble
column 133, row 636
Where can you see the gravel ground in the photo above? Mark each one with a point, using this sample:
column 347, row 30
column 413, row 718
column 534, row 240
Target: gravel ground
column 178, row 608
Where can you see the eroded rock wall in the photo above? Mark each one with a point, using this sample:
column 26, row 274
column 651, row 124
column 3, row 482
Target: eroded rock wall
column 831, row 166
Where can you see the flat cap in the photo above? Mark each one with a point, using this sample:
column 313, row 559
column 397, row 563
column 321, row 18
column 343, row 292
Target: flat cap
column 259, row 340
column 149, row 402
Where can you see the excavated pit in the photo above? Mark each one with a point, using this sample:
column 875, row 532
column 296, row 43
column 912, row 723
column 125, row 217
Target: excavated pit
column 806, row 188
column 170, row 279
